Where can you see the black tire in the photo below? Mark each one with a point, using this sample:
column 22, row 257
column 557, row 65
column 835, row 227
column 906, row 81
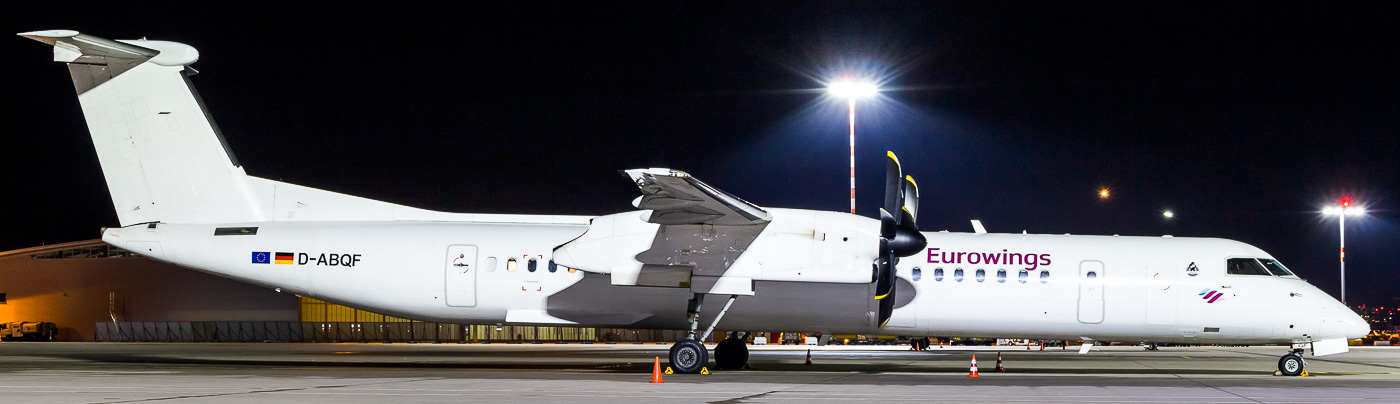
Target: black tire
column 688, row 356
column 924, row 343
column 731, row 353
column 1291, row 365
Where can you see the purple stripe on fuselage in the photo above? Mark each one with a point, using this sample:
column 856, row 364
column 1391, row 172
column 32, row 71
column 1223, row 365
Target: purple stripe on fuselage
column 1217, row 297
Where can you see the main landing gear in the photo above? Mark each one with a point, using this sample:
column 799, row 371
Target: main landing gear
column 1292, row 364
column 690, row 356
column 733, row 352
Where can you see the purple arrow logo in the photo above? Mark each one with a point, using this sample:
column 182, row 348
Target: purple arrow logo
column 1210, row 296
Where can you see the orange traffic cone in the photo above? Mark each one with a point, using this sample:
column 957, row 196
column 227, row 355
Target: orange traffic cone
column 809, row 358
column 999, row 368
column 656, row 371
column 973, row 372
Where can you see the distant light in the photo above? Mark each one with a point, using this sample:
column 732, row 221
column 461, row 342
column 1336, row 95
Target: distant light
column 1331, row 210
column 1346, row 202
column 1103, row 193
column 1356, row 210
column 1168, row 214
column 852, row 89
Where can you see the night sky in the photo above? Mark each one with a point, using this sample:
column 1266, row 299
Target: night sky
column 1242, row 118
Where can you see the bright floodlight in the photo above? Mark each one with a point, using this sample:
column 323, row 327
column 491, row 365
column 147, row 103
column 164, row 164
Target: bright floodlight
column 1168, row 214
column 1103, row 193
column 852, row 89
column 1350, row 211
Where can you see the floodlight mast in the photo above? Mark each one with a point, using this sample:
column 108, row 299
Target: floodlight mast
column 850, row 91
column 852, row 102
column 1342, row 211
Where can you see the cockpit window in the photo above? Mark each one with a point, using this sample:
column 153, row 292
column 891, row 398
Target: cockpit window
column 1245, row 266
column 1275, row 267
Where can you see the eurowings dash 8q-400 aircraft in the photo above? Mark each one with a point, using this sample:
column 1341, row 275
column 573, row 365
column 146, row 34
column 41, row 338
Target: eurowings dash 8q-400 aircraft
column 692, row 257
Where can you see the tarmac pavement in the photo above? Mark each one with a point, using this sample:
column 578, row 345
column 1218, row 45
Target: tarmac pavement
column 577, row 373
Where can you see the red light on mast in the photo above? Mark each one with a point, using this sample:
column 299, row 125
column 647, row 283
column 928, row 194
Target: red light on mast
column 1346, row 202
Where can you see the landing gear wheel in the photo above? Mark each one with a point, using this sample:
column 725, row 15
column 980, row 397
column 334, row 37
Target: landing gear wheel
column 688, row 356
column 1291, row 365
column 731, row 353
column 923, row 344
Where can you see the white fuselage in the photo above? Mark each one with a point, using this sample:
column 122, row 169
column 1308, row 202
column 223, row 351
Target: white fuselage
column 1139, row 290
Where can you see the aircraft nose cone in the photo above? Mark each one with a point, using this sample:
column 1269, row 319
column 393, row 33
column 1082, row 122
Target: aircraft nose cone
column 1357, row 327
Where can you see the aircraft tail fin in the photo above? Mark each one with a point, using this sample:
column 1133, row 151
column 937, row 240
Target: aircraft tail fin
column 163, row 157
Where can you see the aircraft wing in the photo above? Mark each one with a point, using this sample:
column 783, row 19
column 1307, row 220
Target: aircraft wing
column 676, row 198
column 691, row 236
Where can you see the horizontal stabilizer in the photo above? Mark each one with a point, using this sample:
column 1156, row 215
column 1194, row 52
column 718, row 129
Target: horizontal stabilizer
column 93, row 61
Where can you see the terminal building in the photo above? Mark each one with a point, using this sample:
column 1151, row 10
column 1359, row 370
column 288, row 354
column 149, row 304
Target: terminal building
column 96, row 292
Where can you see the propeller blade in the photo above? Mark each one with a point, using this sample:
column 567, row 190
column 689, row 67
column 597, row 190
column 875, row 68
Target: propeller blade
column 906, row 222
column 889, row 225
column 885, row 290
column 911, row 199
column 884, row 273
column 886, row 309
column 894, row 197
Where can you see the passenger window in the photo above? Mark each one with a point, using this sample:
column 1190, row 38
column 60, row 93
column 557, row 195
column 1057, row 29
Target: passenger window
column 490, row 264
column 532, row 265
column 981, row 275
column 1044, row 276
column 938, row 274
column 1091, row 275
column 1245, row 266
column 510, row 265
column 958, row 274
column 918, row 273
column 1001, row 276
column 1021, row 277
column 553, row 267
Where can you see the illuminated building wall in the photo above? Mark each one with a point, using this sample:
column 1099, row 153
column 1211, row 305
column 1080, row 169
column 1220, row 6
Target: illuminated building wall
column 76, row 285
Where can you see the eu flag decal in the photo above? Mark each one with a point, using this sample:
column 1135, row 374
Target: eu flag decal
column 261, row 257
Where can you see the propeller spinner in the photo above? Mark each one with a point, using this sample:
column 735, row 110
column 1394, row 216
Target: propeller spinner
column 899, row 236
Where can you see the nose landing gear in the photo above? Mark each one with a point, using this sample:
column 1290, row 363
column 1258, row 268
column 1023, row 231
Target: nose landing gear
column 1292, row 364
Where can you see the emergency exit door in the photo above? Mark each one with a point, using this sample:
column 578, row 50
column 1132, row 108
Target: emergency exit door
column 1091, row 283
column 460, row 273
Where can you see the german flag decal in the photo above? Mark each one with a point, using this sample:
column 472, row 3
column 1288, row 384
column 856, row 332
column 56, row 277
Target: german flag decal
column 283, row 258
